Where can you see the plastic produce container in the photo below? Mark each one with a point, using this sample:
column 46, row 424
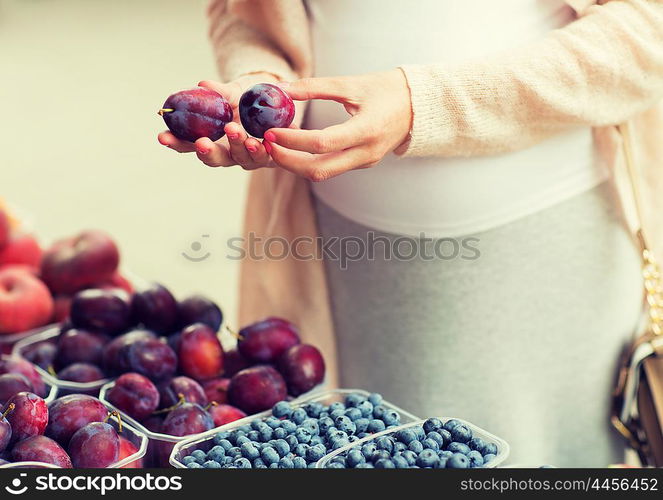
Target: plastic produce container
column 128, row 432
column 502, row 446
column 7, row 342
column 64, row 386
column 204, row 441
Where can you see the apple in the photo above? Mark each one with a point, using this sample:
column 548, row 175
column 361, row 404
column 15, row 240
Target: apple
column 25, row 302
column 75, row 263
column 21, row 249
column 4, row 228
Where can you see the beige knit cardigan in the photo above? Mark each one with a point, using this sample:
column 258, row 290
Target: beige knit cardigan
column 602, row 69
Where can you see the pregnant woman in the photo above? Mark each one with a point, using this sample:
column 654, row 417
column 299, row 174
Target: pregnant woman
column 480, row 134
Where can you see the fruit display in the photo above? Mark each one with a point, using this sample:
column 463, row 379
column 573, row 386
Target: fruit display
column 71, row 431
column 294, row 436
column 265, row 106
column 195, row 113
column 431, row 444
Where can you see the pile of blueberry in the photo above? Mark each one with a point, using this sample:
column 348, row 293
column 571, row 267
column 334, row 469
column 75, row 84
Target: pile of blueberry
column 433, row 445
column 296, row 438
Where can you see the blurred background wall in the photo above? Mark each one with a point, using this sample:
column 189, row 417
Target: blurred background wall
column 80, row 84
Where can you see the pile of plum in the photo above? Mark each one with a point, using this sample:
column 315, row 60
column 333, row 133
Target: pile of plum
column 72, row 431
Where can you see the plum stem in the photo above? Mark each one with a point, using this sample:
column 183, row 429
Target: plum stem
column 51, row 370
column 9, row 409
column 213, row 403
column 117, row 416
column 180, row 402
column 164, row 110
column 234, row 333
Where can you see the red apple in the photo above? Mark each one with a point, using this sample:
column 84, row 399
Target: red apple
column 25, row 302
column 4, row 229
column 75, row 263
column 21, row 249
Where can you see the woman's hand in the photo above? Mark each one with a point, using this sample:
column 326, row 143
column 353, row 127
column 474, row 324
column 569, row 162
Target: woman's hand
column 236, row 147
column 381, row 118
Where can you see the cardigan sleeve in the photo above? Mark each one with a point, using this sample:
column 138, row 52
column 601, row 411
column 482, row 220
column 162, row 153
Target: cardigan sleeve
column 598, row 70
column 254, row 36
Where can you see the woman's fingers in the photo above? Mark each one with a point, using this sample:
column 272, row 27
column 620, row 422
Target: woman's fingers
column 318, row 167
column 231, row 91
column 213, row 154
column 335, row 89
column 236, row 137
column 257, row 152
column 335, row 138
column 168, row 139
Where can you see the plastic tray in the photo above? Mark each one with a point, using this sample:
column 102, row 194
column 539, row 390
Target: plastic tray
column 7, row 342
column 64, row 386
column 128, row 432
column 502, row 446
column 203, row 441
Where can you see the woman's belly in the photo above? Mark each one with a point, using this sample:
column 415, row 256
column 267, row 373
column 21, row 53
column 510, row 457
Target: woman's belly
column 443, row 196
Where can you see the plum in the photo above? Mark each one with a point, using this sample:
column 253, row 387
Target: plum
column 95, row 445
column 195, row 113
column 233, row 361
column 127, row 448
column 41, row 353
column 224, row 414
column 81, row 373
column 14, row 364
column 101, row 310
column 199, row 309
column 113, row 359
column 265, row 106
column 69, row 413
column 265, row 341
column 11, row 384
column 80, row 346
column 186, row 419
column 303, row 367
column 135, row 395
column 200, row 352
column 5, row 428
column 41, row 449
column 216, row 389
column 256, row 389
column 156, row 308
column 28, row 417
column 150, row 357
column 186, row 387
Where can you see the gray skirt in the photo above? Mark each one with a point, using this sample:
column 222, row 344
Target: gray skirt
column 517, row 329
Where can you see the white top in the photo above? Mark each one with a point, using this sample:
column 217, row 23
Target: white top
column 443, row 197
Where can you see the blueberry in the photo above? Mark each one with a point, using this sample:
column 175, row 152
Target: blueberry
column 316, row 440
column 431, row 444
column 475, row 458
column 266, row 434
column 223, row 442
column 193, row 465
column 211, row 464
column 336, row 413
column 427, row 458
column 400, row 462
column 282, row 447
column 274, row 466
column 298, row 416
column 222, row 435
column 353, row 438
column 269, row 455
column 314, row 410
column 324, row 424
column 315, row 453
column 410, row 457
column 445, row 454
column 461, row 433
column 399, row 447
column 339, row 460
column 450, row 424
column 441, row 463
column 476, row 443
column 199, row 455
column 406, row 436
column 489, row 449
column 311, row 425
column 354, row 399
column 432, row 425
column 303, row 435
column 416, row 447
column 353, row 413
column 361, row 425
column 419, row 432
column 365, row 465
column 379, row 411
column 362, row 435
column 334, row 465
column 258, row 463
column 336, row 406
column 366, row 408
column 385, row 443
column 380, row 454
column 488, row 457
column 300, row 449
column 234, row 452
column 344, row 424
column 228, row 460
column 436, row 437
column 368, row 450
column 385, row 463
column 333, row 431
column 188, row 459
column 242, row 463
column 257, row 424
column 446, row 436
column 355, row 457
column 391, row 417
column 282, row 409
column 244, row 429
column 299, row 463
column 338, row 443
column 242, row 440
column 253, row 436
column 286, row 463
column 250, row 451
column 376, row 425
column 273, row 422
column 457, row 447
column 291, row 440
column 375, row 398
column 458, row 461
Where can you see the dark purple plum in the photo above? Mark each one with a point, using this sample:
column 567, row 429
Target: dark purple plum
column 256, row 389
column 5, row 428
column 265, row 341
column 81, row 372
column 265, row 106
column 41, row 449
column 112, row 358
column 195, row 113
column 29, row 416
column 11, row 384
column 303, row 367
column 135, row 395
column 153, row 423
column 156, row 308
column 186, row 419
column 185, row 386
column 69, row 413
column 216, row 389
column 80, row 346
column 41, row 353
column 101, row 310
column 150, row 357
column 233, row 361
column 94, row 446
column 14, row 364
column 200, row 353
column 199, row 309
